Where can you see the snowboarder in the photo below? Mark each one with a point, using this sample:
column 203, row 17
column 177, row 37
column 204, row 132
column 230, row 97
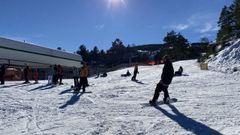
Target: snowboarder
column 127, row 74
column 166, row 79
column 60, row 74
column 2, row 73
column 135, row 72
column 26, row 73
column 75, row 76
column 83, row 78
column 104, row 74
column 179, row 72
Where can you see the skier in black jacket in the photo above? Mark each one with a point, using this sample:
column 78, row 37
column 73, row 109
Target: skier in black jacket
column 166, row 79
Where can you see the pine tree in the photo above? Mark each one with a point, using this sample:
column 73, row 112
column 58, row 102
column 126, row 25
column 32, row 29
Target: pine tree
column 176, row 45
column 94, row 55
column 236, row 18
column 225, row 23
column 84, row 53
column 115, row 53
column 229, row 23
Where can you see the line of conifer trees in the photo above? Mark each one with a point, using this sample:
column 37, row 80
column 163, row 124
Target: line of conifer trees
column 229, row 24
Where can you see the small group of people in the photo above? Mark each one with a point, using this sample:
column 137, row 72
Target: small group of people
column 135, row 72
column 26, row 72
column 57, row 74
column 165, row 81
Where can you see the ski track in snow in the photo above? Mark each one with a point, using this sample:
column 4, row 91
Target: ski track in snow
column 209, row 103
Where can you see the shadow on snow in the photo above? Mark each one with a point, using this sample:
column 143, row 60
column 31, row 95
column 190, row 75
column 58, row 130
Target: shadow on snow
column 139, row 82
column 188, row 123
column 43, row 87
column 8, row 86
column 65, row 91
column 18, row 84
column 75, row 97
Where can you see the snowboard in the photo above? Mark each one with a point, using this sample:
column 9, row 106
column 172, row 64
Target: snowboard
column 171, row 101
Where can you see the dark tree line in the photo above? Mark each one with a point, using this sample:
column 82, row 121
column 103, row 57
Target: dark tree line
column 175, row 45
column 116, row 55
column 229, row 23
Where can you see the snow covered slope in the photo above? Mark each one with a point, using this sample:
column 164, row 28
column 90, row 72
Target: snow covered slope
column 208, row 104
column 227, row 60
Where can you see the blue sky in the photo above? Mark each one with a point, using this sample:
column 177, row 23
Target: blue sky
column 70, row 23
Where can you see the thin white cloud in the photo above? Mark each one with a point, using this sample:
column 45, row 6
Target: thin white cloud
column 200, row 23
column 208, row 27
column 100, row 27
column 204, row 23
column 180, row 27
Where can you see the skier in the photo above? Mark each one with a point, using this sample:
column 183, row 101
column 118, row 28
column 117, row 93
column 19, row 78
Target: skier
column 2, row 73
column 26, row 73
column 83, row 78
column 166, row 79
column 60, row 74
column 75, row 76
column 179, row 72
column 135, row 72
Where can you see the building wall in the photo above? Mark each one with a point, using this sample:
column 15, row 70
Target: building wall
column 18, row 53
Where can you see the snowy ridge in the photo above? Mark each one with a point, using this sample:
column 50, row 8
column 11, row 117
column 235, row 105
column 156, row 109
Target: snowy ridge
column 208, row 104
column 227, row 60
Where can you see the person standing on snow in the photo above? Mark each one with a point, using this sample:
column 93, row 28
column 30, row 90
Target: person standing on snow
column 26, row 73
column 135, row 72
column 36, row 76
column 55, row 75
column 50, row 75
column 2, row 73
column 83, row 78
column 60, row 74
column 166, row 79
column 75, row 76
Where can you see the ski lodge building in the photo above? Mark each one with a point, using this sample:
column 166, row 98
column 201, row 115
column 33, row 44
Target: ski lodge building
column 20, row 54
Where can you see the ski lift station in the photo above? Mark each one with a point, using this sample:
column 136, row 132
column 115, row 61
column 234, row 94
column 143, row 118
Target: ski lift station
column 21, row 54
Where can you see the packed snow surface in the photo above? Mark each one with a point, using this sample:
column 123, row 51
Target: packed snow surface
column 208, row 104
column 227, row 60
